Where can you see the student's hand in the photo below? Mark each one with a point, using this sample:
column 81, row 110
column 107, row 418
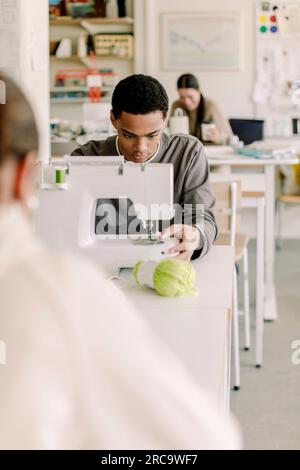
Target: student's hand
column 190, row 240
column 213, row 135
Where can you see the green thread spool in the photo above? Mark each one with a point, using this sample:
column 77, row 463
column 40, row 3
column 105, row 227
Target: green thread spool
column 60, row 175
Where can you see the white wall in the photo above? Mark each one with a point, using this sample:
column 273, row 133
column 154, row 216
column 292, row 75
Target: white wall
column 34, row 75
column 232, row 90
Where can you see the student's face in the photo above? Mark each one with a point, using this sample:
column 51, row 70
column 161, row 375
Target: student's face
column 189, row 98
column 139, row 134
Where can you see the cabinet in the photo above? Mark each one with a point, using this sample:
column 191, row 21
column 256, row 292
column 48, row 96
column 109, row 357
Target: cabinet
column 67, row 95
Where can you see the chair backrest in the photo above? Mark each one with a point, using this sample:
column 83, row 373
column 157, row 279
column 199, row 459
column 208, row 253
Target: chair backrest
column 228, row 200
column 248, row 130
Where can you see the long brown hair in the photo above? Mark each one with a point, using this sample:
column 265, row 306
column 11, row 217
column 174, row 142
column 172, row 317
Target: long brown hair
column 189, row 80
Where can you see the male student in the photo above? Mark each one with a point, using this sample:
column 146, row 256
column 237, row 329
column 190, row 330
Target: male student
column 139, row 111
column 78, row 368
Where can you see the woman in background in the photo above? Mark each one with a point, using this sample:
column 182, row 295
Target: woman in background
column 206, row 121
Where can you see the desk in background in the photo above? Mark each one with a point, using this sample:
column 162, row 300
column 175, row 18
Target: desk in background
column 225, row 156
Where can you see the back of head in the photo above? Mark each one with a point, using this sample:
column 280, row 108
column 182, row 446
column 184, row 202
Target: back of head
column 18, row 130
column 139, row 94
column 188, row 81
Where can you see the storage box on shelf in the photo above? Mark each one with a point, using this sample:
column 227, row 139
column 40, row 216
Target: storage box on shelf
column 120, row 45
column 96, row 43
column 71, row 85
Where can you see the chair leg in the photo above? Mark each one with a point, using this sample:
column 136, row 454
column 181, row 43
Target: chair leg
column 246, row 299
column 235, row 322
column 279, row 216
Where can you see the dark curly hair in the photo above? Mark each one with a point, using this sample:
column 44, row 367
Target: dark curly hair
column 139, row 94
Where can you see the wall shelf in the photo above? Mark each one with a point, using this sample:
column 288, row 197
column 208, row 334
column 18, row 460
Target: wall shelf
column 72, row 100
column 68, row 21
column 73, row 57
column 66, row 89
column 84, row 59
column 68, row 100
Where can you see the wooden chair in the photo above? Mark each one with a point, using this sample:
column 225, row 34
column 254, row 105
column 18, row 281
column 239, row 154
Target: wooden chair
column 228, row 202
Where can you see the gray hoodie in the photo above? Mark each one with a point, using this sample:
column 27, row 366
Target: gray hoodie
column 191, row 178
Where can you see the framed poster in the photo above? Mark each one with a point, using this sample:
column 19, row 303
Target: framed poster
column 206, row 41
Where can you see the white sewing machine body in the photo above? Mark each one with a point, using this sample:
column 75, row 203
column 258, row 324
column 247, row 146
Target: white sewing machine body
column 68, row 211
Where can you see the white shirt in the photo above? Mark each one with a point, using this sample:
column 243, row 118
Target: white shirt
column 82, row 370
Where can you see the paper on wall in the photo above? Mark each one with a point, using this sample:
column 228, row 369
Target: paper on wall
column 9, row 38
column 269, row 80
column 38, row 48
column 9, row 50
column 261, row 93
column 289, row 20
column 9, row 12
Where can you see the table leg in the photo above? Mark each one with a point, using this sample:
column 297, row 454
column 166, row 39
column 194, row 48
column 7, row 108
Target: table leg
column 270, row 310
column 260, row 285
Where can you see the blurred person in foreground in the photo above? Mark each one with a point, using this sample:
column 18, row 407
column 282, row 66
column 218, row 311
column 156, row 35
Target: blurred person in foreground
column 82, row 371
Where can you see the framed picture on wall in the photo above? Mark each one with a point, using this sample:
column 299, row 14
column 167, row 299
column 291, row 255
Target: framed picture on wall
column 206, row 41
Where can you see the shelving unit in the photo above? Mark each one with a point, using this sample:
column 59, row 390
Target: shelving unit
column 67, row 27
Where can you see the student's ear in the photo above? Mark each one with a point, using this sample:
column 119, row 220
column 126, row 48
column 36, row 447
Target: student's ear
column 26, row 178
column 113, row 119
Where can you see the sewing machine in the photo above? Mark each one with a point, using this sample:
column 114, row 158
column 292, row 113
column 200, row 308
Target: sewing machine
column 106, row 208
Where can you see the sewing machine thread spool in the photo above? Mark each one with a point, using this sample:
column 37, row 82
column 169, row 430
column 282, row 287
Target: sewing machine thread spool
column 60, row 177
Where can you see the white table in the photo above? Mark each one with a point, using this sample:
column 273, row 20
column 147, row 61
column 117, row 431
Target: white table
column 197, row 329
column 225, row 156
